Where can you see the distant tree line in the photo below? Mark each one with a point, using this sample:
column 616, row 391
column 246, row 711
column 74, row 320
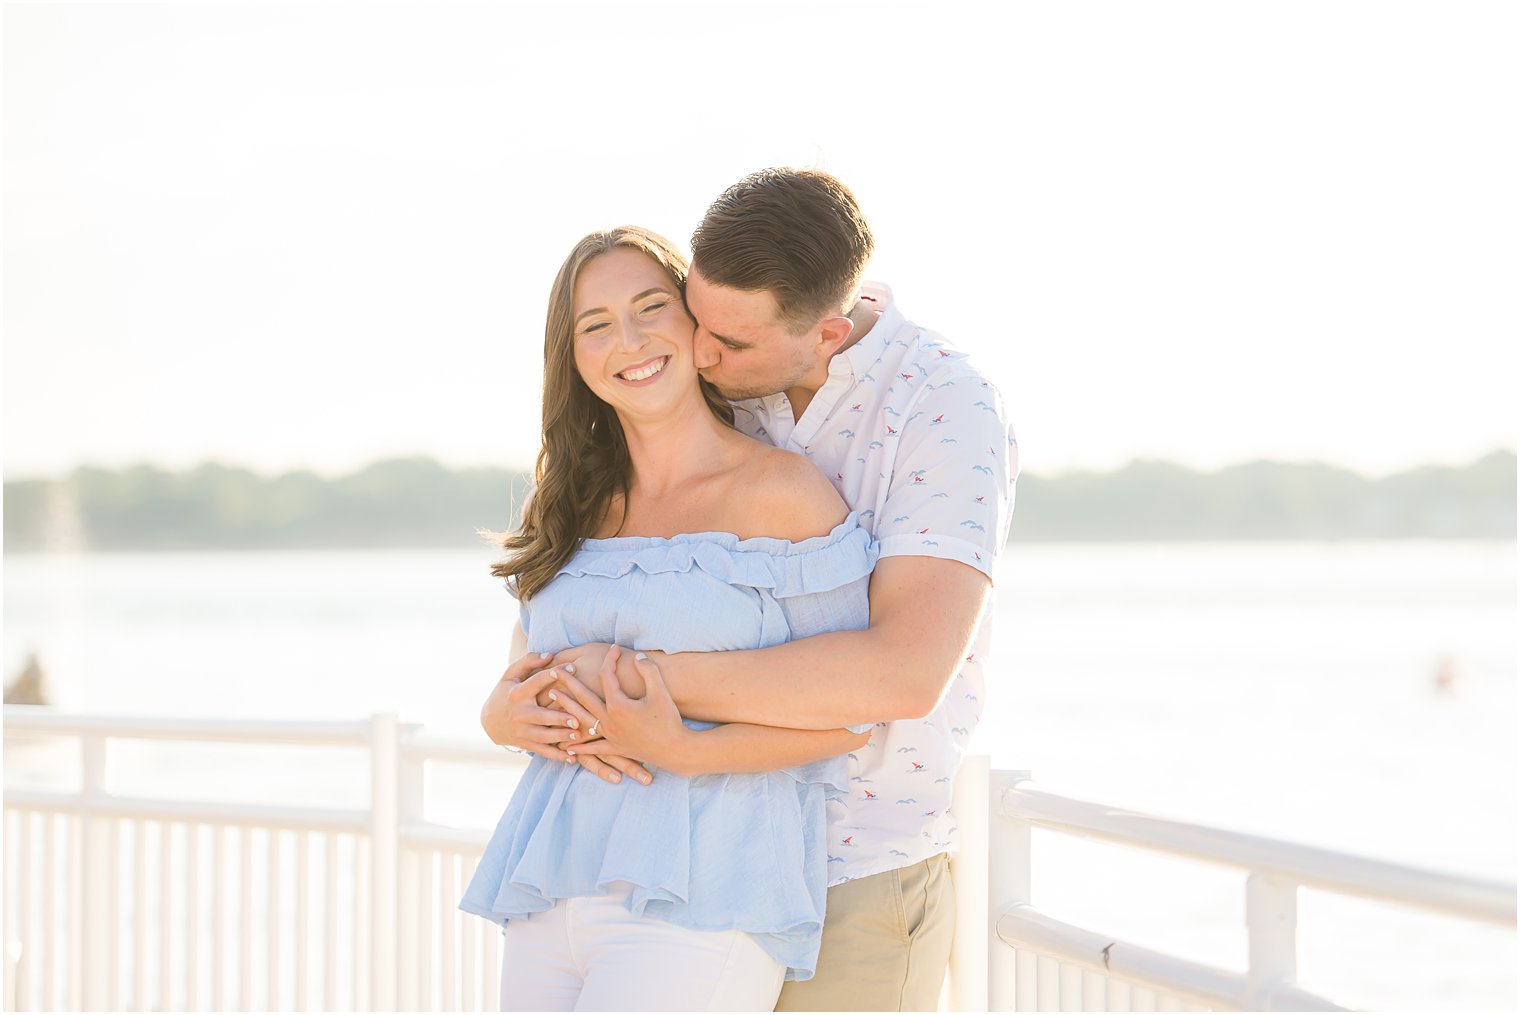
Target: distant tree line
column 417, row 502
column 1151, row 500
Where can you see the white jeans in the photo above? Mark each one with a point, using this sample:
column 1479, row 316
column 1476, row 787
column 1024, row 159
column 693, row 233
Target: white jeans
column 592, row 954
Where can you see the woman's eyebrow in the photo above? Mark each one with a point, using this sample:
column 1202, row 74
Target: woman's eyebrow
column 603, row 310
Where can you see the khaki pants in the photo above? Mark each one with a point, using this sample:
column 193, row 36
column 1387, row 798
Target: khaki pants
column 886, row 943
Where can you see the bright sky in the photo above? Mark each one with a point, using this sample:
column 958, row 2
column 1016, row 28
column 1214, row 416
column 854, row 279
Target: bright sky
column 312, row 235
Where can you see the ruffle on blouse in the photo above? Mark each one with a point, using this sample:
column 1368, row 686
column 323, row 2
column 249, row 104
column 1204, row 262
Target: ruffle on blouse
column 784, row 568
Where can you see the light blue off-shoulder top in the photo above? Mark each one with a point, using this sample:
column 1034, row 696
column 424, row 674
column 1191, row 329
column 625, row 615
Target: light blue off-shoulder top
column 715, row 852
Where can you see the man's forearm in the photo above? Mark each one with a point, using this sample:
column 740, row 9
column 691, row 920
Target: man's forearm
column 842, row 678
column 924, row 612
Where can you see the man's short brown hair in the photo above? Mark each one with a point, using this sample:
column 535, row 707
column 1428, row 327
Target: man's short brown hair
column 795, row 233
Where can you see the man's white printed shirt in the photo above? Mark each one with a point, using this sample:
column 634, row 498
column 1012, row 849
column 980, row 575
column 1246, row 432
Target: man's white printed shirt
column 916, row 441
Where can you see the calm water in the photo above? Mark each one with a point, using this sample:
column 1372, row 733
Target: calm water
column 1287, row 689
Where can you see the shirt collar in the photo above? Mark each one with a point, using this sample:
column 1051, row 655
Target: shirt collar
column 859, row 357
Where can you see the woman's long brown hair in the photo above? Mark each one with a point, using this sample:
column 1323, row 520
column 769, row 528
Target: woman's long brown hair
column 584, row 458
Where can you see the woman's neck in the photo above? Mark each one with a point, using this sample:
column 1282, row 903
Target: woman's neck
column 670, row 452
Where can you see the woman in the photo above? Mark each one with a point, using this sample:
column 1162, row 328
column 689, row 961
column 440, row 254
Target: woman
column 655, row 524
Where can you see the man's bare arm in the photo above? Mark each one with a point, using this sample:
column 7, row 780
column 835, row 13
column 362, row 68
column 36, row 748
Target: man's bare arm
column 924, row 612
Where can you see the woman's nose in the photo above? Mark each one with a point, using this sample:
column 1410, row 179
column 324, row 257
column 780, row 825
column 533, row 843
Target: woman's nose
column 632, row 335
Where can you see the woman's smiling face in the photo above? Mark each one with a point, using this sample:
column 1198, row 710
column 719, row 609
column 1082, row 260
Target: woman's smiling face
column 632, row 333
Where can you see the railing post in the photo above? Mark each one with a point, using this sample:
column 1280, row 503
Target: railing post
column 1009, row 879
column 384, row 832
column 411, row 907
column 972, row 945
column 95, row 881
column 1272, row 926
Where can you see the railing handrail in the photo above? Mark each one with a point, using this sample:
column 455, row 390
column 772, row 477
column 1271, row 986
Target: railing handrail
column 416, row 745
column 1023, row 926
column 1313, row 866
column 316, row 732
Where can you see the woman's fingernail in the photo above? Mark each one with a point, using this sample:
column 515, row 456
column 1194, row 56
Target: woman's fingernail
column 615, row 777
column 572, row 755
column 545, row 655
column 644, row 779
column 640, row 656
column 574, row 735
column 570, row 668
column 553, row 696
column 572, row 723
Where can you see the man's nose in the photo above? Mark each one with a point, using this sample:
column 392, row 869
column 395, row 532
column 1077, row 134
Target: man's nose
column 704, row 350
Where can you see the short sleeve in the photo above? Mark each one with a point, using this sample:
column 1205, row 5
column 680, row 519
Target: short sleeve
column 952, row 483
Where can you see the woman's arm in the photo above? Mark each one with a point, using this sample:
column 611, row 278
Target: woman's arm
column 740, row 747
column 649, row 729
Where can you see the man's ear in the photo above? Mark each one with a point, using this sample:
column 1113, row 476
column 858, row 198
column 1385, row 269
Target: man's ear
column 834, row 333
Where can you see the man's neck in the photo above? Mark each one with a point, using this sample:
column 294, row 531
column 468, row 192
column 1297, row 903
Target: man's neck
column 863, row 317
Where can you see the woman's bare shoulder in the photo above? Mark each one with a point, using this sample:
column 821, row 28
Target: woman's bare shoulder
column 786, row 497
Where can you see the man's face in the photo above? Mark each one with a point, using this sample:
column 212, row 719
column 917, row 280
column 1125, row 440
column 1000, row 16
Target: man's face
column 742, row 347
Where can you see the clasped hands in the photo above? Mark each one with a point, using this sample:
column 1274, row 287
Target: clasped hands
column 602, row 706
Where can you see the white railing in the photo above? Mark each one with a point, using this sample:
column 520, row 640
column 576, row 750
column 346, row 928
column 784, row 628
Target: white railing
column 115, row 902
column 1042, row 964
column 124, row 903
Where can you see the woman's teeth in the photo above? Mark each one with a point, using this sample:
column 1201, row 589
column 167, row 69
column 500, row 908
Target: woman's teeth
column 647, row 370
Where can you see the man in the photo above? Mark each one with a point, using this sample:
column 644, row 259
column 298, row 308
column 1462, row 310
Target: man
column 915, row 440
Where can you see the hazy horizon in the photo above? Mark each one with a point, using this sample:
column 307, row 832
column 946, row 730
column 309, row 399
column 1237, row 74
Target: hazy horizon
column 527, row 467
